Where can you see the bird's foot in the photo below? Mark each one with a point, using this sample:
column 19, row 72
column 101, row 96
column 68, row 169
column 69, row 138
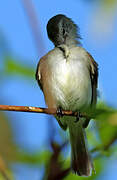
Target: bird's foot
column 78, row 117
column 59, row 112
column 60, row 115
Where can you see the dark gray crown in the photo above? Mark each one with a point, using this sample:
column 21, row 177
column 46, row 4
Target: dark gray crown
column 61, row 28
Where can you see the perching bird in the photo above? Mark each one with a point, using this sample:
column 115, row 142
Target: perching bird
column 68, row 75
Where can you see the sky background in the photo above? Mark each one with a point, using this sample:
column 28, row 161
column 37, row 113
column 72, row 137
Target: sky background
column 98, row 27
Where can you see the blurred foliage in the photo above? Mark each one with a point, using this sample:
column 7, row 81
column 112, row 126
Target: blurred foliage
column 8, row 150
column 13, row 67
column 109, row 3
column 105, row 3
column 101, row 25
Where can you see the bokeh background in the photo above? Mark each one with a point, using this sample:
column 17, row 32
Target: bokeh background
column 32, row 146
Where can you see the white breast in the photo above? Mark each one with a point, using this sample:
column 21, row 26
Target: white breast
column 70, row 80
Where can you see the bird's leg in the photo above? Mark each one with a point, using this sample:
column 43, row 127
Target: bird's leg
column 77, row 117
column 59, row 114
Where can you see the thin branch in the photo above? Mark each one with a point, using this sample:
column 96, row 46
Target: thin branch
column 31, row 109
column 34, row 24
column 3, row 169
column 4, row 175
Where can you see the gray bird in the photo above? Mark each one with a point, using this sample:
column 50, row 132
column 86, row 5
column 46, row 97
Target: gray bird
column 68, row 76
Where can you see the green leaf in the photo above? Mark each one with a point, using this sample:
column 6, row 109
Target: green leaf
column 14, row 67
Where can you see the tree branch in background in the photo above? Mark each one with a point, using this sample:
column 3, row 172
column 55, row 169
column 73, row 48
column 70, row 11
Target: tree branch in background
column 3, row 169
column 55, row 170
column 4, row 175
column 34, row 25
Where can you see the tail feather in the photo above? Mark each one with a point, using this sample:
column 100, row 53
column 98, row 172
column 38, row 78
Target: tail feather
column 81, row 163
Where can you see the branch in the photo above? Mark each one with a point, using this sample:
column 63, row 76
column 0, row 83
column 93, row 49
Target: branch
column 31, row 109
column 3, row 169
column 4, row 175
column 34, row 24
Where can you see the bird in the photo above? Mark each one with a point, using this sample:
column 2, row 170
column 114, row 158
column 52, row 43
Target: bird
column 68, row 77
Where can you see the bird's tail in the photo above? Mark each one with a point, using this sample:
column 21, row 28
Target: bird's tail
column 80, row 160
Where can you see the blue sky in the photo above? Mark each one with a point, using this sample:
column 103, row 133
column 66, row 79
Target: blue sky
column 31, row 132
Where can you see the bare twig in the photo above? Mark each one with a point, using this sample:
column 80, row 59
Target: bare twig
column 3, row 169
column 4, row 175
column 52, row 111
column 54, row 168
column 34, row 24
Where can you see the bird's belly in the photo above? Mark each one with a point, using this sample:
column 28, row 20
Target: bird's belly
column 71, row 85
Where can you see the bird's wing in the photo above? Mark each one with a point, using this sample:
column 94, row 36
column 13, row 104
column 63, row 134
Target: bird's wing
column 38, row 73
column 93, row 68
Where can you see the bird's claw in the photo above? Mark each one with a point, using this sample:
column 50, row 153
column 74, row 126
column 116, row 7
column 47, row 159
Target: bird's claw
column 59, row 112
column 78, row 117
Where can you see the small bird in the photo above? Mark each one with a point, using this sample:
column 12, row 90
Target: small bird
column 68, row 77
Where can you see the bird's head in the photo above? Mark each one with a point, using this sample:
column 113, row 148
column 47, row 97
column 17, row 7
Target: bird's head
column 62, row 30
